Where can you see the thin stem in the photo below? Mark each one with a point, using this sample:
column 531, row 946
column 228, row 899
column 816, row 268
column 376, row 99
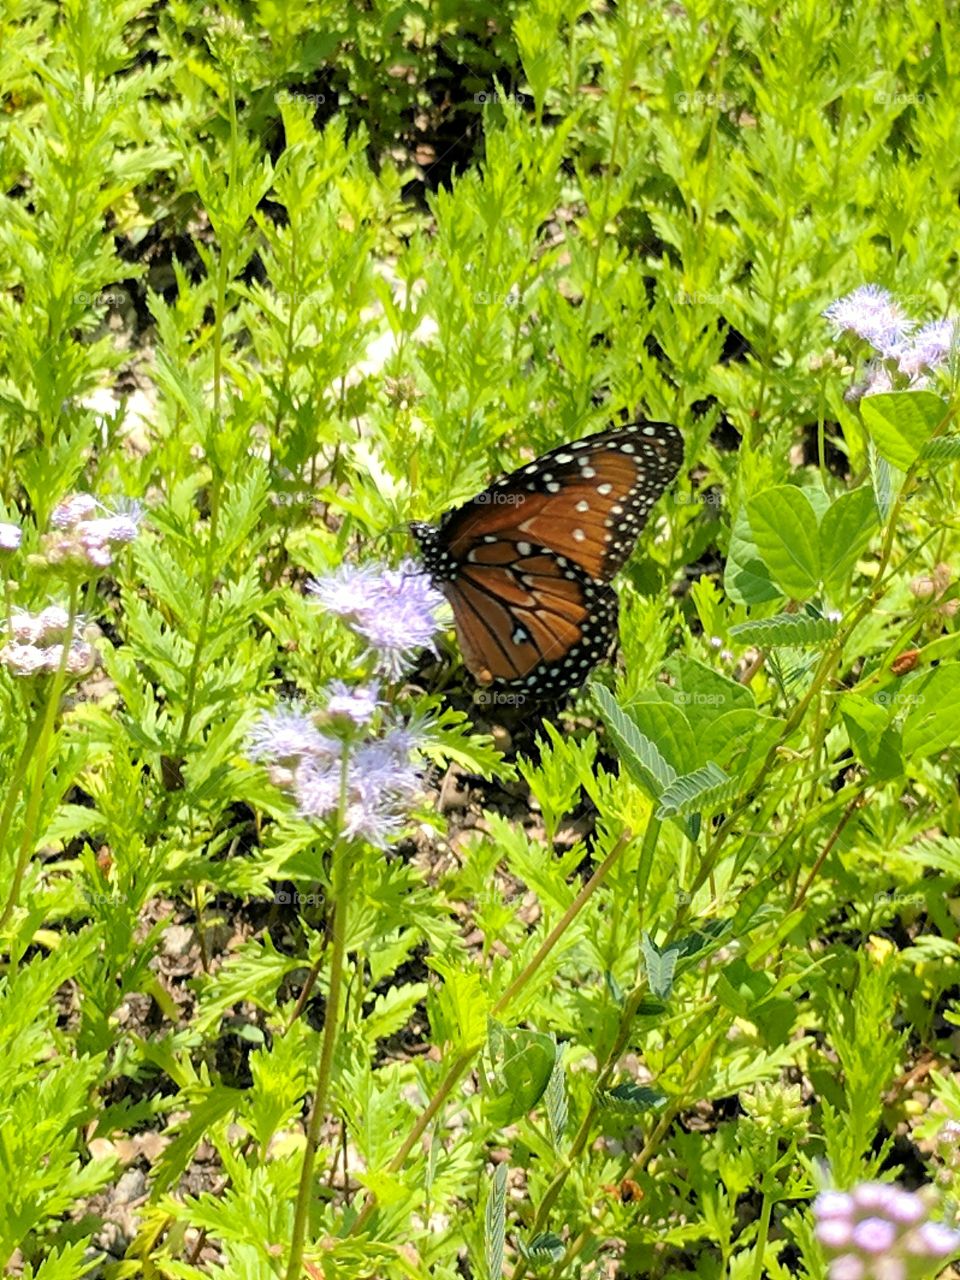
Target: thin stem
column 464, row 1059
column 856, row 803
column 28, row 836
column 341, row 886
column 645, row 865
column 19, row 773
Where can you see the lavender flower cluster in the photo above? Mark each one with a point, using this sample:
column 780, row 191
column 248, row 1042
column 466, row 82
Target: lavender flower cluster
column 35, row 643
column 904, row 355
column 83, row 539
column 394, row 610
column 881, row 1232
column 306, row 755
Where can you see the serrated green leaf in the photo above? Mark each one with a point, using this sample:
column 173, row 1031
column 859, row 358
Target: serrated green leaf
column 631, row 1096
column 666, row 724
column 638, row 753
column 556, row 1100
column 943, row 449
column 693, row 792
column 795, row 630
column 876, row 741
column 495, row 1222
column 543, row 1248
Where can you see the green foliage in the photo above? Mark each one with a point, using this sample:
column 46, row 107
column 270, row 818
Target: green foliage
column 294, row 274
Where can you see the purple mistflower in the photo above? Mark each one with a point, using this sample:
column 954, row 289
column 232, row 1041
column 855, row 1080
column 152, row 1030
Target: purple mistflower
column 287, row 735
column 86, row 539
column 69, row 513
column 381, row 778
column 350, row 591
column 881, row 1232
column 11, row 536
column 353, row 705
column 871, row 313
column 929, row 347
column 22, row 659
column 394, row 610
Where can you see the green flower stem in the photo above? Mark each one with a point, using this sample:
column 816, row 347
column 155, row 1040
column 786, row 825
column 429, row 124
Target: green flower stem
column 464, row 1059
column 766, row 1209
column 39, row 756
column 19, row 773
column 341, row 886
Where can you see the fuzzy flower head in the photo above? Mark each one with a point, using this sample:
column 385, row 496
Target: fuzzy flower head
column 394, row 610
column 80, row 538
column 352, row 707
column 879, row 1231
column 871, row 313
column 375, row 777
column 35, row 644
column 929, row 348
column 11, row 536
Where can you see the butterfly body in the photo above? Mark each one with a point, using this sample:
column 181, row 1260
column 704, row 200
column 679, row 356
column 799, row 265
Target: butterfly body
column 525, row 564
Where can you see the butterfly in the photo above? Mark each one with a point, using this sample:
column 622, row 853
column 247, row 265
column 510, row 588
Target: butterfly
column 526, row 564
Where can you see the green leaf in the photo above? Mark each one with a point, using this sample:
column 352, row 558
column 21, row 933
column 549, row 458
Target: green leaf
column 667, row 725
column 693, row 792
column 704, row 694
column 495, row 1221
column 943, row 449
column 458, row 1011
column 631, row 1096
column 543, row 1248
column 523, row 1063
column 876, row 742
column 932, row 722
column 68, row 1263
column 659, row 966
column 795, row 630
column 638, row 753
column 845, row 533
column 885, row 479
column 901, row 422
column 556, row 1100
column 784, row 527
column 745, row 577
